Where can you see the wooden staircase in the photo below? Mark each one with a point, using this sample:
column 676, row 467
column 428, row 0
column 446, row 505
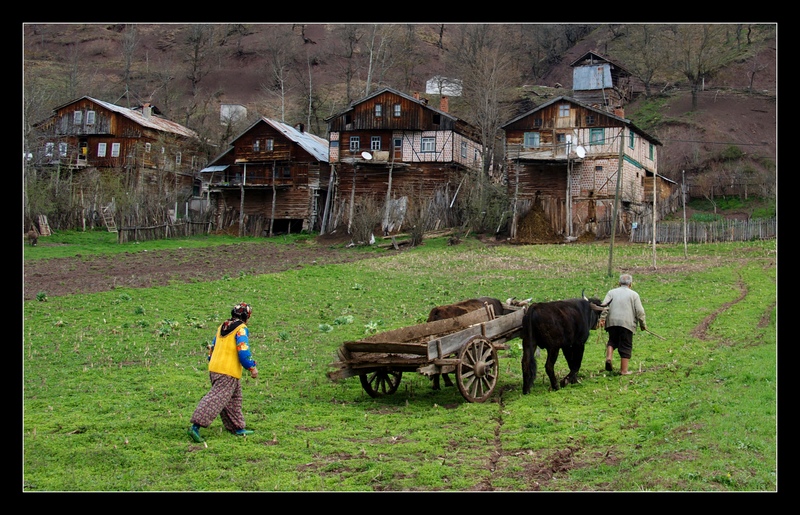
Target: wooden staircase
column 108, row 219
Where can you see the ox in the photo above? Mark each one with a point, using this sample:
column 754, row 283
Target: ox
column 33, row 237
column 464, row 307
column 560, row 325
column 458, row 309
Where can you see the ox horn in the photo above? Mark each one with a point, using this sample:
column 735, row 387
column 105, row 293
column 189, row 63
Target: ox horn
column 583, row 294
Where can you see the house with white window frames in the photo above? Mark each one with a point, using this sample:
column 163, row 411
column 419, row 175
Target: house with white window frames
column 565, row 158
column 389, row 143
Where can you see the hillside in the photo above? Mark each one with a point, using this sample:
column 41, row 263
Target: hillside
column 729, row 112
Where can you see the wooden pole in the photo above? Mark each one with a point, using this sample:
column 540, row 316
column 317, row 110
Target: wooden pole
column 352, row 201
column 683, row 197
column 241, row 202
column 616, row 200
column 274, row 199
column 326, row 213
column 655, row 176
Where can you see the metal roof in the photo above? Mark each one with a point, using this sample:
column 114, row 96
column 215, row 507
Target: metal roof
column 212, row 169
column 153, row 122
column 314, row 145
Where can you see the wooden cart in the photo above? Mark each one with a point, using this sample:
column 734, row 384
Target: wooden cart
column 466, row 345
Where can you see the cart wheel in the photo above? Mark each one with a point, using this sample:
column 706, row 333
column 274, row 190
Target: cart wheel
column 476, row 372
column 381, row 382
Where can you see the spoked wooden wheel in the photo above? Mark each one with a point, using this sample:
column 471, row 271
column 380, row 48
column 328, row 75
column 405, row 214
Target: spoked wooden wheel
column 381, row 382
column 476, row 372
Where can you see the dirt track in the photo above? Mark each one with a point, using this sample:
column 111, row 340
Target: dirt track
column 145, row 269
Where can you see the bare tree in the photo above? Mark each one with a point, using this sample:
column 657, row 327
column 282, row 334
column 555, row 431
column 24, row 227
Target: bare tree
column 642, row 49
column 483, row 62
column 698, row 52
column 379, row 51
column 281, row 57
column 130, row 42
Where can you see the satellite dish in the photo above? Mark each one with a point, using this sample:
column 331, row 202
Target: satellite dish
column 366, row 155
column 580, row 151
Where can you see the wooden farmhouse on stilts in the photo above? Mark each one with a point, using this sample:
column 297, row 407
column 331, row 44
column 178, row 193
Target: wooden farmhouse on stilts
column 273, row 179
column 393, row 151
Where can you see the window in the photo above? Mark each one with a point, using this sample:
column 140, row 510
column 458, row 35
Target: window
column 62, row 149
column 48, row 149
column 115, row 150
column 375, row 143
column 178, row 158
column 589, row 119
column 428, row 145
column 537, row 122
column 598, row 168
column 630, row 139
column 270, row 145
column 561, row 138
column 652, row 152
column 355, row 143
column 147, row 147
column 397, row 109
column 101, row 149
column 597, row 136
column 531, row 139
column 378, row 110
column 77, row 117
column 90, row 116
column 464, row 149
column 256, row 146
column 563, row 110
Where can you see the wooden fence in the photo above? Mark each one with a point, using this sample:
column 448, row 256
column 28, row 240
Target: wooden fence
column 707, row 232
column 162, row 231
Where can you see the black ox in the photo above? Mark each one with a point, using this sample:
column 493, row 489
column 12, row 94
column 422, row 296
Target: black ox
column 560, row 325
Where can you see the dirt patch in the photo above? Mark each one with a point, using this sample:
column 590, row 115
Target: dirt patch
column 147, row 269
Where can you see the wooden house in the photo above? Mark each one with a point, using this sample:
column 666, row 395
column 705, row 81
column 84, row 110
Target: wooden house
column 88, row 133
column 600, row 82
column 566, row 157
column 274, row 178
column 389, row 146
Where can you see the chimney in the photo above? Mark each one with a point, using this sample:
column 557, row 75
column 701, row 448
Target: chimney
column 444, row 104
column 300, row 128
column 147, row 110
column 619, row 111
column 416, row 95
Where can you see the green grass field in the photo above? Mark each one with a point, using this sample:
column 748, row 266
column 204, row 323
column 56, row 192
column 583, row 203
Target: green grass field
column 110, row 380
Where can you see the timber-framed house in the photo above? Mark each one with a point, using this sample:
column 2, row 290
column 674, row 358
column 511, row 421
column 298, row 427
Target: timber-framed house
column 274, row 178
column 571, row 160
column 389, row 146
column 150, row 151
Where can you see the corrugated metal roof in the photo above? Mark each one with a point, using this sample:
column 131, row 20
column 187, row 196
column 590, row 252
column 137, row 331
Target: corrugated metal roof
column 153, row 122
column 314, row 145
column 212, row 169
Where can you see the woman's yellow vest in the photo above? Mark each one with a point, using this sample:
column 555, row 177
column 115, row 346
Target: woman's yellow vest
column 225, row 359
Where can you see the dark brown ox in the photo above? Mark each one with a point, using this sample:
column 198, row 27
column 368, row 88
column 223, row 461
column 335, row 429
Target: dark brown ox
column 464, row 307
column 33, row 237
column 561, row 325
column 457, row 309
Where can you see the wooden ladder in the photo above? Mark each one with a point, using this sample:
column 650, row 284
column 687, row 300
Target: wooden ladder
column 44, row 227
column 108, row 219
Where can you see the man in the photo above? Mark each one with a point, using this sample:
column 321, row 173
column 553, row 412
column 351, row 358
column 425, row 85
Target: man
column 620, row 320
column 228, row 355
